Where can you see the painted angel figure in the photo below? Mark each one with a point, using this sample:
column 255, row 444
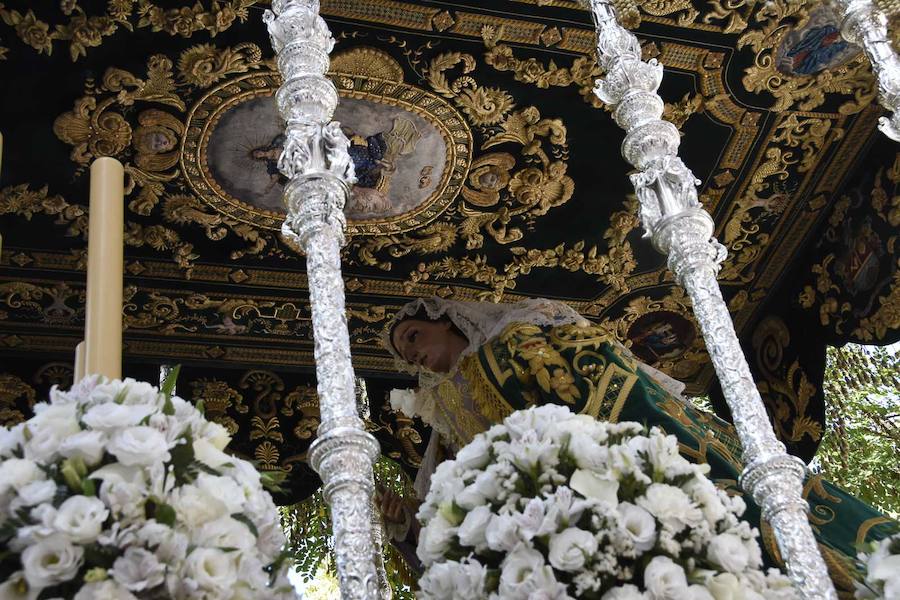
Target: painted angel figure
column 479, row 362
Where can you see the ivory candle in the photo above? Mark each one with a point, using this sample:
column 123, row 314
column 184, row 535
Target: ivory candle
column 79, row 363
column 106, row 225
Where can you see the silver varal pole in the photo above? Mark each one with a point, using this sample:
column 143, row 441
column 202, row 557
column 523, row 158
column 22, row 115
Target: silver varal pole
column 316, row 162
column 679, row 226
column 864, row 24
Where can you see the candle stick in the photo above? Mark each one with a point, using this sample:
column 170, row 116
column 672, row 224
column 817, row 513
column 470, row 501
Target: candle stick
column 103, row 323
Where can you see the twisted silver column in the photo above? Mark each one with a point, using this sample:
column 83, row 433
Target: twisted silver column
column 864, row 24
column 679, row 226
column 316, row 161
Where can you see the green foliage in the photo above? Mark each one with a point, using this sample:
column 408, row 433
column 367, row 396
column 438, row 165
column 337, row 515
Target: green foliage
column 307, row 526
column 862, row 441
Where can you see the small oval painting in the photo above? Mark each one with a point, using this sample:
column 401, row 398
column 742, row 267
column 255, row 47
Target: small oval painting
column 816, row 46
column 661, row 336
column 407, row 156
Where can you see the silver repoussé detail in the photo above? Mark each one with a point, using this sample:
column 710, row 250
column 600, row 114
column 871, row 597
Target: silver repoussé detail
column 678, row 225
column 320, row 172
column 864, row 24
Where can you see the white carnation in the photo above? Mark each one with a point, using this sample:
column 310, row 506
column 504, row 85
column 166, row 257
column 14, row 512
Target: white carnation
column 137, row 446
column 670, row 505
column 435, row 539
column 454, row 581
column 51, row 561
column 502, row 533
column 474, row 455
column 34, row 493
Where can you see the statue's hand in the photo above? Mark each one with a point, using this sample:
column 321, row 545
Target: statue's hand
column 391, row 506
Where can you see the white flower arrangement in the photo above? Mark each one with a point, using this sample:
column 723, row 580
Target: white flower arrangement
column 116, row 490
column 882, row 570
column 551, row 505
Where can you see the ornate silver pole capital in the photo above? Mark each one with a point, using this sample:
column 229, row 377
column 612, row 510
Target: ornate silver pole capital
column 678, row 225
column 864, row 24
column 316, row 161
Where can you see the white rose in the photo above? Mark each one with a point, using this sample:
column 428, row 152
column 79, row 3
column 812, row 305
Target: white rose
column 16, row 473
column 729, row 552
column 16, row 588
column 88, row 445
column 502, row 533
column 34, row 493
column 474, row 455
column 139, row 446
column 224, row 489
column 435, row 539
column 111, row 416
column 725, row 586
column 81, row 518
column 570, row 549
column 141, row 392
column 11, row 439
column 664, row 579
column 454, row 581
column 472, row 529
column 138, row 570
column 224, row 532
column 210, row 570
column 639, row 525
column 625, row 592
column 670, row 505
column 195, row 506
column 51, row 561
column 104, row 590
column 590, row 485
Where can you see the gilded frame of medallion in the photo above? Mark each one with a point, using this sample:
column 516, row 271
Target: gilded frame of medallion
column 204, row 116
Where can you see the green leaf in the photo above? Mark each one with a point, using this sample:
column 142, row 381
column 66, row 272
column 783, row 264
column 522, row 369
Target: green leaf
column 168, row 388
column 246, row 521
column 88, row 487
column 165, row 514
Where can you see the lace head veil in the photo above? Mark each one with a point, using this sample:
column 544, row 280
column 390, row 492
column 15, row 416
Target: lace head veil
column 479, row 322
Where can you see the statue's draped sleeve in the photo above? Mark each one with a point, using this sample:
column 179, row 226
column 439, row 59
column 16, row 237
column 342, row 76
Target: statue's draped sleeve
column 578, row 366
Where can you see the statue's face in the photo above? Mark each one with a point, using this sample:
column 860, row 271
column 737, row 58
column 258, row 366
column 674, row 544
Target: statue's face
column 435, row 345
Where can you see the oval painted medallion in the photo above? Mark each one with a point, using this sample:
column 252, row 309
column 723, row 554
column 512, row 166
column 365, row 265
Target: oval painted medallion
column 411, row 151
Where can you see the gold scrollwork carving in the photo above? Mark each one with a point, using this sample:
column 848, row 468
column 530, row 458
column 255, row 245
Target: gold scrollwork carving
column 14, row 394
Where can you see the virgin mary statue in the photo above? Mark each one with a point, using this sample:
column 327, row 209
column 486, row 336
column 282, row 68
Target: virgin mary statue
column 479, row 362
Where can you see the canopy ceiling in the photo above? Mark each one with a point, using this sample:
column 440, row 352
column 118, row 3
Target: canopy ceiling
column 487, row 169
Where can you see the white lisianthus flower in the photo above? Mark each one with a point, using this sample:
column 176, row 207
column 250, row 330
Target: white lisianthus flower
column 138, row 570
column 11, row 439
column 663, row 452
column 474, row 455
column 50, row 425
column 87, row 445
column 524, row 574
column 729, row 552
column 15, row 473
column 81, row 518
column 639, row 525
column 104, row 590
column 590, row 485
column 698, row 592
column 670, row 505
column 472, row 529
column 224, row 532
column 210, row 570
column 141, row 393
column 111, row 416
column 502, row 533
column 51, row 561
column 435, row 539
column 570, row 549
column 454, row 581
column 586, row 452
column 139, row 446
column 17, row 588
column 34, row 493
column 664, row 579
column 725, row 586
column 195, row 506
column 624, row 592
